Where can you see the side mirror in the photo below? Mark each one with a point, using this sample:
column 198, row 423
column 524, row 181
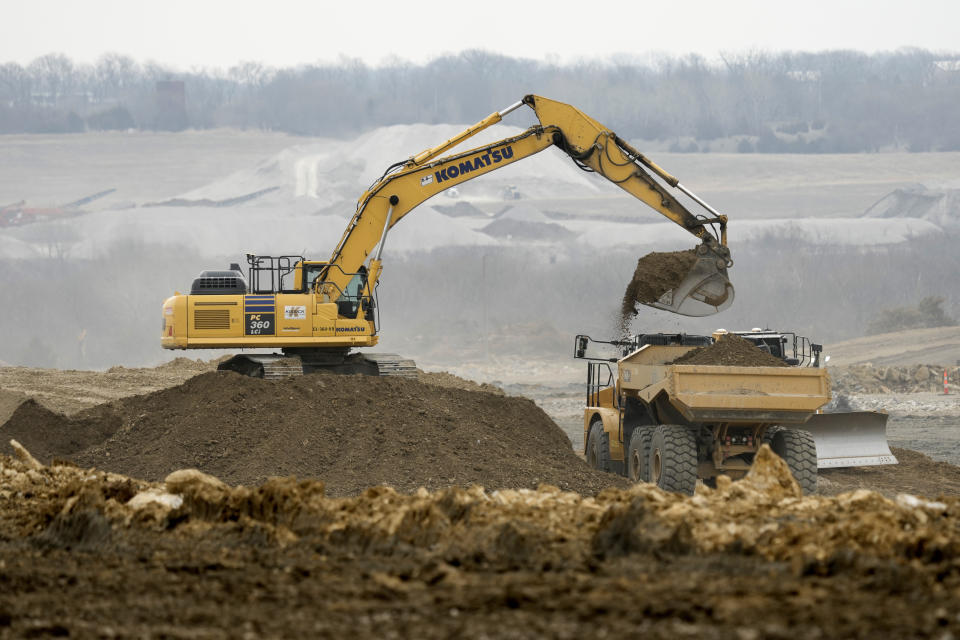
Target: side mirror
column 580, row 347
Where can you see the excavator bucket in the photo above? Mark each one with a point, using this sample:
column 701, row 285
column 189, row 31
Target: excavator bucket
column 705, row 290
column 850, row 439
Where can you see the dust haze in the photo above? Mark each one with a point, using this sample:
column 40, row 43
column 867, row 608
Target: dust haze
column 102, row 224
column 459, row 302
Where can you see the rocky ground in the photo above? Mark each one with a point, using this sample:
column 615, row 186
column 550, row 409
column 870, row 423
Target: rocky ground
column 92, row 554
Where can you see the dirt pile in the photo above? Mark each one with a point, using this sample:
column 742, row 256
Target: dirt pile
column 466, row 563
column 523, row 230
column 450, row 381
column 898, row 379
column 733, row 351
column 915, row 473
column 764, row 514
column 49, row 435
column 9, row 401
column 352, row 432
column 70, row 391
column 656, row 273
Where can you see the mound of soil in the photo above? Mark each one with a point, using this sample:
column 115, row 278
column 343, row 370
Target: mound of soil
column 521, row 229
column 916, row 474
column 446, row 379
column 352, row 432
column 49, row 435
column 71, row 391
column 9, row 401
column 656, row 273
column 461, row 209
column 731, row 351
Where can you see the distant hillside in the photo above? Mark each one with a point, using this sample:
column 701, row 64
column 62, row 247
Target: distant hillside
column 940, row 345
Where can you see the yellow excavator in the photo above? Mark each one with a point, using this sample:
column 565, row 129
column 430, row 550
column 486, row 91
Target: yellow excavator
column 315, row 312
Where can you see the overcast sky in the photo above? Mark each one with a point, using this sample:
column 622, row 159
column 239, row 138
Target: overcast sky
column 219, row 33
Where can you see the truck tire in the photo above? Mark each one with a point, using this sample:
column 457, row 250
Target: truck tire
column 673, row 458
column 598, row 446
column 799, row 450
column 638, row 455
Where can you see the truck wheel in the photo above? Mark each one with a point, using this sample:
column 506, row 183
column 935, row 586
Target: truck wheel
column 673, row 458
column 598, row 446
column 799, row 450
column 638, row 455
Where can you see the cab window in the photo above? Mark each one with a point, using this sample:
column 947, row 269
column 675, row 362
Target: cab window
column 349, row 302
column 355, row 286
column 311, row 272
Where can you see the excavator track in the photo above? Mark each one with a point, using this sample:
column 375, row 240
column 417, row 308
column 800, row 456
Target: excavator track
column 282, row 367
column 391, row 364
column 275, row 366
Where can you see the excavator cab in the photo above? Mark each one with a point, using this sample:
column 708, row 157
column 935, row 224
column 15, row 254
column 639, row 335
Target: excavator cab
column 307, row 273
column 353, row 296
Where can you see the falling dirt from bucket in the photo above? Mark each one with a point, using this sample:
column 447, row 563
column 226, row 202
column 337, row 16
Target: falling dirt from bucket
column 656, row 273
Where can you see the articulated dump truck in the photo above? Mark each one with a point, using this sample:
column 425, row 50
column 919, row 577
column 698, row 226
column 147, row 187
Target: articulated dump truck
column 672, row 424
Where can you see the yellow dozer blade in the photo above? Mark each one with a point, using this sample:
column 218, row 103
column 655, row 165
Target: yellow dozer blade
column 851, row 439
column 705, row 290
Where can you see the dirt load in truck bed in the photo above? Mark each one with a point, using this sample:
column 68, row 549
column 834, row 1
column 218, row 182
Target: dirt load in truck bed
column 352, row 432
column 731, row 351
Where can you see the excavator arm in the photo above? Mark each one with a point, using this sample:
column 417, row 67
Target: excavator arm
column 594, row 147
column 407, row 184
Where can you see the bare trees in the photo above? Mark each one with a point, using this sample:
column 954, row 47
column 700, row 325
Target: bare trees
column 799, row 102
column 55, row 78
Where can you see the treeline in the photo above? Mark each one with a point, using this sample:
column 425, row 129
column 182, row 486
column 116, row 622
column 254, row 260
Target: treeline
column 837, row 101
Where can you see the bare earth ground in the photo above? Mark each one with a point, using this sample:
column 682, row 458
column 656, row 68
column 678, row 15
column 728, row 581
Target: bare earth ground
column 925, row 423
column 96, row 555
column 351, row 432
column 70, row 391
column 939, row 345
column 79, row 558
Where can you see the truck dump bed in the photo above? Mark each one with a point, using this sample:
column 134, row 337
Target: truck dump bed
column 708, row 393
column 715, row 393
column 774, row 394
